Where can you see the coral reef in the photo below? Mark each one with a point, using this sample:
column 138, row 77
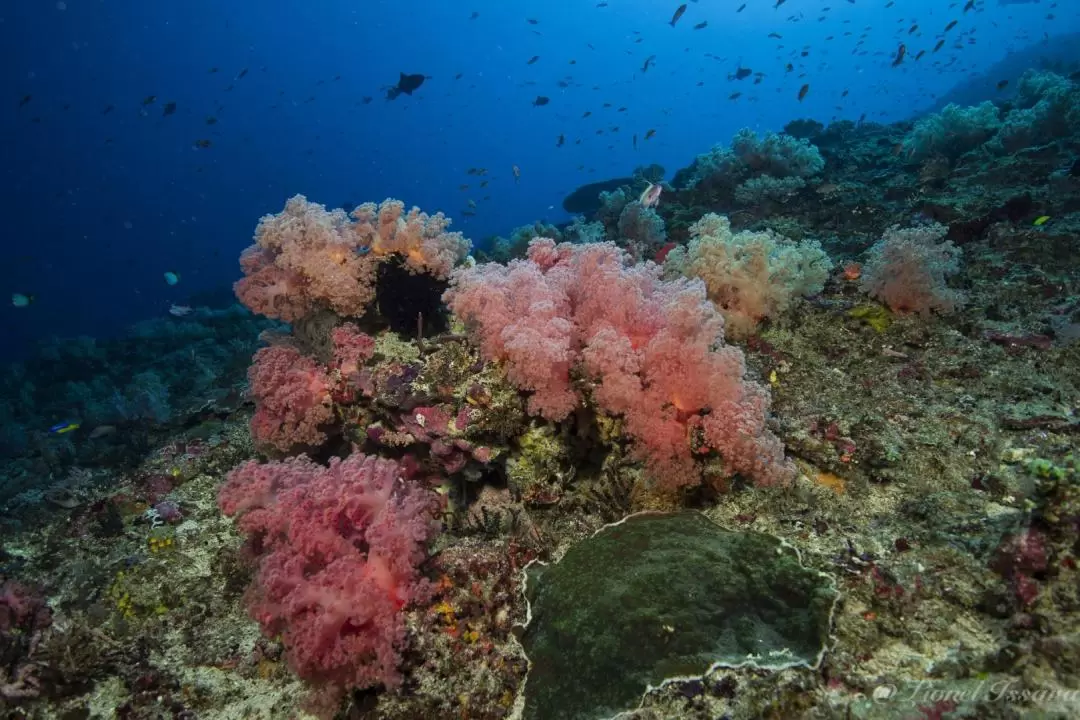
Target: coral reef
column 808, row 379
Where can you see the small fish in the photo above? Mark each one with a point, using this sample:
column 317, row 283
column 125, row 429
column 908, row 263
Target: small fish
column 560, row 141
column 649, row 133
column 775, row 36
column 533, row 21
column 702, row 25
column 741, row 8
column 650, row 196
column 180, row 310
column 778, row 4
column 970, row 5
column 1041, row 220
column 533, row 59
column 1002, row 84
column 741, row 74
column 474, row 15
column 678, row 14
column 950, row 26
column 241, row 74
column 102, row 431
column 64, row 427
column 940, row 44
column 149, row 100
column 25, row 100
column 803, row 90
column 735, row 96
column 211, row 120
column 900, row 52
column 202, row 143
column 517, row 173
column 407, row 84
column 648, row 61
column 587, row 114
column 168, row 109
column 541, row 100
column 21, row 300
column 171, row 278
column 366, row 100
column 108, row 109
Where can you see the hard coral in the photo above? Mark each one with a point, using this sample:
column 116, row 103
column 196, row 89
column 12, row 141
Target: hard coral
column 652, row 349
column 339, row 549
column 23, row 617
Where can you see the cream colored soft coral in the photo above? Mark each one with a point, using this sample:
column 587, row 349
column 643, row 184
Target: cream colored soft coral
column 421, row 239
column 748, row 275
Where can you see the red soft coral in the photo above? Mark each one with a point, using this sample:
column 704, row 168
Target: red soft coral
column 352, row 349
column 292, row 396
column 653, row 350
column 339, row 549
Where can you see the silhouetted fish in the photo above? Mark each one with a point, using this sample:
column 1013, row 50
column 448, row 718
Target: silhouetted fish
column 406, row 84
column 678, row 14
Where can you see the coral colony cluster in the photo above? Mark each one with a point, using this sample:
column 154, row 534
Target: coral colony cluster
column 458, row 485
column 574, row 335
column 586, row 336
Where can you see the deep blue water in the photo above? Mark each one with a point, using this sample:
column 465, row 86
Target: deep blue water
column 102, row 193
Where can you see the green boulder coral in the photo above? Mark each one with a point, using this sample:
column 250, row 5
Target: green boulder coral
column 657, row 597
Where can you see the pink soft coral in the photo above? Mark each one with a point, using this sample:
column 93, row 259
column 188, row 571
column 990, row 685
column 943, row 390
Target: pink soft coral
column 521, row 318
column 906, row 269
column 338, row 549
column 292, row 396
column 653, row 350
